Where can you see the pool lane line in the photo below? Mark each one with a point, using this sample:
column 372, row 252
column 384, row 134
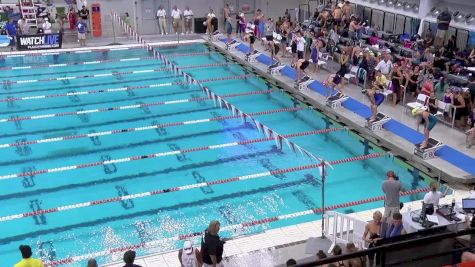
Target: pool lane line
column 110, row 90
column 100, row 75
column 5, row 80
column 188, row 54
column 179, row 101
column 196, row 185
column 145, row 128
column 162, row 154
column 75, row 63
column 233, row 227
column 71, row 52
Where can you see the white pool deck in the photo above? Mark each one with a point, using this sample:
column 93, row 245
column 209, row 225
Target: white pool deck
column 274, row 247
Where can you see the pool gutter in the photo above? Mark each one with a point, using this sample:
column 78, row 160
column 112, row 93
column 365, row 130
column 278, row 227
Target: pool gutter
column 381, row 141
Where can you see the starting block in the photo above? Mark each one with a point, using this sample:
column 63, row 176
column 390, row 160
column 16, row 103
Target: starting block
column 377, row 125
column 233, row 44
column 275, row 69
column 335, row 100
column 303, row 83
column 251, row 57
column 215, row 36
column 428, row 152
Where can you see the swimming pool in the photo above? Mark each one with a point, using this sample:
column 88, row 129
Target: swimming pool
column 80, row 110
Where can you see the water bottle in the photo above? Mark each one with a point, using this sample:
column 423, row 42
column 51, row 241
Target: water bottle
column 453, row 205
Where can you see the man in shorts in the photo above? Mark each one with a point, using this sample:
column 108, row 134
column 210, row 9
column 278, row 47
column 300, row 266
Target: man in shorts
column 392, row 188
column 82, row 29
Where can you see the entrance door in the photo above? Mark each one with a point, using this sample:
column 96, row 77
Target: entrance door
column 149, row 15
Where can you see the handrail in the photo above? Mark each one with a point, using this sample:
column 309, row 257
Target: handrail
column 383, row 249
column 343, row 229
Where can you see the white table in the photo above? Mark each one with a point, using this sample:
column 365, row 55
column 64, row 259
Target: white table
column 412, row 227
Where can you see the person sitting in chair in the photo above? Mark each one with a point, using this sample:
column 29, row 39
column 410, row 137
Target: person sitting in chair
column 395, row 228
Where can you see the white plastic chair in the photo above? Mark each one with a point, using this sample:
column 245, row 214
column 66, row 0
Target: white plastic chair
column 420, row 102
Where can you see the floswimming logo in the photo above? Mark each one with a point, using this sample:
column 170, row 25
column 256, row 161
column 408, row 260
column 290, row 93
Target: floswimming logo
column 46, row 41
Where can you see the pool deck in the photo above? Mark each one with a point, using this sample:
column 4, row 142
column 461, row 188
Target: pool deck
column 436, row 167
column 274, row 247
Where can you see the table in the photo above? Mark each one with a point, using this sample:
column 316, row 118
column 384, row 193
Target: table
column 412, row 227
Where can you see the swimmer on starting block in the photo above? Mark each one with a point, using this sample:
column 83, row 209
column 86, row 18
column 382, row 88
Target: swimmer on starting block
column 335, row 82
column 427, row 119
column 300, row 67
column 376, row 99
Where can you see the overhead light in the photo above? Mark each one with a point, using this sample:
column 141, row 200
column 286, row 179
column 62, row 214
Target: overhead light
column 407, row 6
column 382, row 2
column 415, row 8
column 390, row 3
column 459, row 17
column 470, row 19
column 398, row 4
column 373, row 1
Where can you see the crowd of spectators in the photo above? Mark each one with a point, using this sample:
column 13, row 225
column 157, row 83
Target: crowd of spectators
column 431, row 64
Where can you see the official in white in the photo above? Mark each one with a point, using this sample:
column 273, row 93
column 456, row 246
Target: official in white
column 176, row 16
column 46, row 26
column 189, row 256
column 162, row 20
column 434, row 195
column 188, row 14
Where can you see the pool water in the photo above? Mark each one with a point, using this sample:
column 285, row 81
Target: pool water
column 59, row 235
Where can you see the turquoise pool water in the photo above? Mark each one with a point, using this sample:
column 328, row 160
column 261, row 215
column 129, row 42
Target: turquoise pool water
column 55, row 236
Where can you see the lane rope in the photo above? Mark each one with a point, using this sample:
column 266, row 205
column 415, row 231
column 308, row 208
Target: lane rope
column 76, row 63
column 239, row 226
column 89, row 111
column 158, row 155
column 68, row 52
column 110, row 90
column 196, row 185
column 144, row 128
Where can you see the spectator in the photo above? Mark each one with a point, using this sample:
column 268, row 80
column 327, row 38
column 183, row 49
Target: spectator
column 269, row 33
column 92, row 263
column 347, row 11
column 229, row 30
column 412, row 78
column 354, row 262
column 209, row 21
column 443, row 21
column 471, row 87
column 395, row 228
column 23, row 26
column 129, row 258
column 212, row 246
column 372, row 233
column 84, row 15
column 259, row 22
column 452, row 43
column 320, row 256
column 27, row 260
column 397, row 83
column 10, row 28
column 385, row 65
column 162, row 20
column 300, row 41
column 291, row 262
column 72, row 17
column 434, row 195
column 460, row 110
column 392, row 187
column 242, row 26
column 226, row 14
column 441, row 86
column 433, row 103
column 188, row 14
column 337, row 252
column 191, row 256
column 176, row 20
column 127, row 19
column 471, row 132
column 82, row 28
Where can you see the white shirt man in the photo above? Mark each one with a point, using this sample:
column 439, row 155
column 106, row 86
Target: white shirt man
column 433, row 198
column 176, row 13
column 211, row 15
column 301, row 44
column 384, row 66
column 161, row 13
column 47, row 27
column 188, row 14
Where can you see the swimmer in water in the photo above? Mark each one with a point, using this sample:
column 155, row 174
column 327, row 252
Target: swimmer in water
column 426, row 119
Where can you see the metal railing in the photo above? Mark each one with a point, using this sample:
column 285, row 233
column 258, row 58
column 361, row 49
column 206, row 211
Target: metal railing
column 383, row 251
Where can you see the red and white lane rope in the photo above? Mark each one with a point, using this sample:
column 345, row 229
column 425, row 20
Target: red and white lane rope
column 156, row 243
column 89, row 111
column 191, row 186
column 188, row 54
column 159, row 155
column 111, row 90
column 145, row 128
column 77, row 63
